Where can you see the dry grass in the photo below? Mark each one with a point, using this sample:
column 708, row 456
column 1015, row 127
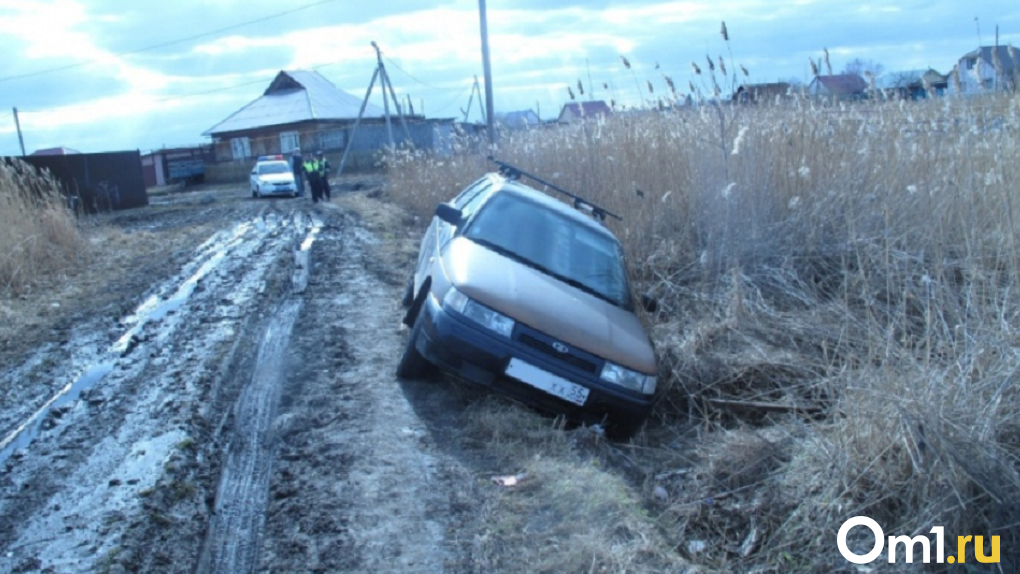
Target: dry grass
column 860, row 262
column 39, row 237
column 568, row 513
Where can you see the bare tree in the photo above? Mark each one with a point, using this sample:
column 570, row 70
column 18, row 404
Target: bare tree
column 863, row 67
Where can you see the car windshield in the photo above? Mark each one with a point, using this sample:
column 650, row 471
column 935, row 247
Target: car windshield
column 267, row 168
column 553, row 243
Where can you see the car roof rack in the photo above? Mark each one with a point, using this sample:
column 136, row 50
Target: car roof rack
column 580, row 203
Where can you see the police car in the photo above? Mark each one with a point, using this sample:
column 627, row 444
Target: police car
column 272, row 175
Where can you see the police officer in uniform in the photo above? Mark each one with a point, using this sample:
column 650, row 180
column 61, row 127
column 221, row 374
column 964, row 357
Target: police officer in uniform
column 314, row 178
column 324, row 191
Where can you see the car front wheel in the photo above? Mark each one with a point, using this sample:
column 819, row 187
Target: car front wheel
column 412, row 364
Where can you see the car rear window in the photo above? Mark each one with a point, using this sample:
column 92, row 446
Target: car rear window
column 280, row 167
column 553, row 243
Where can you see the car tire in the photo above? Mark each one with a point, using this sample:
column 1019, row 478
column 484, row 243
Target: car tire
column 254, row 193
column 412, row 364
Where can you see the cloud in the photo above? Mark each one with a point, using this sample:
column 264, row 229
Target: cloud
column 431, row 50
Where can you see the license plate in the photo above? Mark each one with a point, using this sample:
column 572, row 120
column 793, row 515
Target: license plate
column 546, row 381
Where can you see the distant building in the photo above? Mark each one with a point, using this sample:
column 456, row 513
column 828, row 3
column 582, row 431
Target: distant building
column 521, row 119
column 575, row 111
column 838, row 87
column 769, row 92
column 176, row 165
column 56, row 151
column 986, row 69
column 912, row 84
column 303, row 110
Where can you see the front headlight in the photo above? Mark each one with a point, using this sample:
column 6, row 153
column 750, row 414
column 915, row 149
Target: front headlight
column 627, row 378
column 479, row 313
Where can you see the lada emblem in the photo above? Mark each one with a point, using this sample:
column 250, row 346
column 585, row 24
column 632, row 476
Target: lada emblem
column 560, row 347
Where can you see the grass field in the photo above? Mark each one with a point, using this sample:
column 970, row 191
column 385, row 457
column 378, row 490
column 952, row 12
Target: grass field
column 838, row 324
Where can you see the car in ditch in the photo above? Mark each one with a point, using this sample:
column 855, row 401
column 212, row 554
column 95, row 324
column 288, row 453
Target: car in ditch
column 522, row 292
column 273, row 175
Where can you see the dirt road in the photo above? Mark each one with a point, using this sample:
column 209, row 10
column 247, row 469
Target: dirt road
column 245, row 417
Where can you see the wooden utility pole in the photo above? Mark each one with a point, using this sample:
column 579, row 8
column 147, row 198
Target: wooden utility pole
column 17, row 123
column 384, row 82
column 488, row 72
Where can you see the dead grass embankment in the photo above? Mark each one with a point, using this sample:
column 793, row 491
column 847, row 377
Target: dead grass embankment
column 39, row 237
column 854, row 269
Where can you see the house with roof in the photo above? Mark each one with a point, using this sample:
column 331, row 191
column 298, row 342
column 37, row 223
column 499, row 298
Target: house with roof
column 912, row 84
column 578, row 111
column 303, row 110
column 988, row 68
column 838, row 87
column 766, row 93
column 521, row 119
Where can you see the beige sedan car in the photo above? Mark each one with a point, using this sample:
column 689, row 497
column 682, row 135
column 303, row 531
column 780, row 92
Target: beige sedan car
column 519, row 291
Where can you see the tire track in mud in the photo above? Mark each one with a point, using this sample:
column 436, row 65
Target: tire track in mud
column 360, row 484
column 234, row 531
column 74, row 498
column 232, row 543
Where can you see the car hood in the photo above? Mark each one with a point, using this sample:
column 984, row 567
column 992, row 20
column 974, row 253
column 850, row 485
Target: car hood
column 549, row 305
column 277, row 177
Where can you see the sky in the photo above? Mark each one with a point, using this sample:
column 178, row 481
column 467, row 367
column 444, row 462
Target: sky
column 107, row 75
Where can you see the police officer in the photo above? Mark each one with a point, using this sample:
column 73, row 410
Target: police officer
column 314, row 178
column 324, row 190
column 297, row 164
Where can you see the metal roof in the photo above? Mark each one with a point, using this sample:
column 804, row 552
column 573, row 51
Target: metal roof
column 293, row 97
column 842, row 84
column 577, row 110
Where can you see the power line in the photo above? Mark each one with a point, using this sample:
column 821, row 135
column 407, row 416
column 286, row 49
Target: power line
column 410, row 76
column 171, row 42
column 459, row 96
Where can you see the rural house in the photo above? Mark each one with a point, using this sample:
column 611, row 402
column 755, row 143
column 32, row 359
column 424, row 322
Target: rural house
column 303, row 110
column 520, row 120
column 987, row 69
column 766, row 93
column 912, row 84
column 838, row 87
column 575, row 111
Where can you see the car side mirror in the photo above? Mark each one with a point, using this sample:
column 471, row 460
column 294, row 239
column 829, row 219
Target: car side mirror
column 449, row 214
column 253, row 172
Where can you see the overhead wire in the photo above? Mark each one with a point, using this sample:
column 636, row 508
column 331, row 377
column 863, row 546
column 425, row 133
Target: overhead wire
column 171, row 42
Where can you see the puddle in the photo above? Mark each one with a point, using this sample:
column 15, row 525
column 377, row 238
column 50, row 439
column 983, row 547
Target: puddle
column 26, row 433
column 312, row 235
column 154, row 308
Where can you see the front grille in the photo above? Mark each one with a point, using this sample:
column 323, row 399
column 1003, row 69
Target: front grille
column 579, row 362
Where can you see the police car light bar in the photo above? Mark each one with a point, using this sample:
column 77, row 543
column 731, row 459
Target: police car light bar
column 269, row 157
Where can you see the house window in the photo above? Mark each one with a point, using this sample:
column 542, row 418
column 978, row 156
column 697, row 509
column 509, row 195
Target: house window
column 970, row 63
column 241, row 148
column 331, row 140
column 289, row 141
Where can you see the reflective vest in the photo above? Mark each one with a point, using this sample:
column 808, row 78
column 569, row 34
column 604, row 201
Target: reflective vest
column 312, row 166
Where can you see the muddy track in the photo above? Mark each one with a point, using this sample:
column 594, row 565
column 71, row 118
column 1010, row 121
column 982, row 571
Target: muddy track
column 244, row 418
